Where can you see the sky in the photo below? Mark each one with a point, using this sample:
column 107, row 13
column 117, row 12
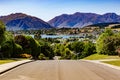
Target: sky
column 48, row 9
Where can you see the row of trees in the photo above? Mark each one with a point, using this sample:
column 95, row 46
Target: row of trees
column 22, row 46
column 77, row 49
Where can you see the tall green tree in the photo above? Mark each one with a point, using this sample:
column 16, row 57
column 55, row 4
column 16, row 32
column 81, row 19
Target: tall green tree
column 100, row 41
column 29, row 45
column 6, row 42
column 47, row 50
column 89, row 48
column 77, row 46
column 111, row 44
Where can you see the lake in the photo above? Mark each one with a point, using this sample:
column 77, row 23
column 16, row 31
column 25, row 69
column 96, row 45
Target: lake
column 61, row 36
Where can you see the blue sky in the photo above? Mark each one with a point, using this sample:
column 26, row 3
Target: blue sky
column 48, row 9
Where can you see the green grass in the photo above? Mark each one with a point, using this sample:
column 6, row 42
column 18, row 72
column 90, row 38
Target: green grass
column 11, row 60
column 99, row 56
column 6, row 61
column 116, row 62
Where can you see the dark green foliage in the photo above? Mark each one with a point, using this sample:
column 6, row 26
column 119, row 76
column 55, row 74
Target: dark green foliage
column 82, row 49
column 37, row 36
column 111, row 43
column 107, row 43
column 103, row 25
column 42, row 57
column 6, row 42
column 67, row 54
column 63, row 51
column 47, row 50
column 52, row 40
column 77, row 46
column 21, row 40
column 18, row 50
column 7, row 45
column 34, row 47
column 89, row 48
column 69, row 50
column 100, row 41
column 7, row 49
column 59, row 49
column 2, row 28
column 29, row 45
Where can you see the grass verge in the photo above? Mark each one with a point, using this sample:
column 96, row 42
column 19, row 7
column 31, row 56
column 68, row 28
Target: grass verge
column 6, row 61
column 116, row 62
column 11, row 60
column 99, row 56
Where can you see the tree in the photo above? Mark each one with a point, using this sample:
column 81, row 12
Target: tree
column 7, row 49
column 77, row 46
column 29, row 45
column 2, row 32
column 46, row 49
column 2, row 28
column 67, row 54
column 89, row 48
column 100, row 41
column 34, row 47
column 17, row 51
column 6, row 42
column 111, row 44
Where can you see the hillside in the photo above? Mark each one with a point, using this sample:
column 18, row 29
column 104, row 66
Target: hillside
column 103, row 25
column 20, row 21
column 83, row 19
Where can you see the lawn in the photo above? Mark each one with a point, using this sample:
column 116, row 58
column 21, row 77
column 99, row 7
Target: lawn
column 116, row 62
column 7, row 61
column 99, row 56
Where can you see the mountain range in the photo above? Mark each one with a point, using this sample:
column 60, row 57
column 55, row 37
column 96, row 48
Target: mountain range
column 82, row 19
column 20, row 21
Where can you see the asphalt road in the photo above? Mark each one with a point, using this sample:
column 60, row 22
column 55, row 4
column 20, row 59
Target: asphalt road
column 61, row 70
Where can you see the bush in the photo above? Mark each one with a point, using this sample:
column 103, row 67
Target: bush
column 89, row 48
column 17, row 51
column 29, row 45
column 77, row 46
column 43, row 57
column 67, row 54
column 25, row 55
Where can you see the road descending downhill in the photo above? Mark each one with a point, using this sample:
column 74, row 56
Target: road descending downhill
column 61, row 70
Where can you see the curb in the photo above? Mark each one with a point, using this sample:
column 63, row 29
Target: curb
column 10, row 68
column 105, row 64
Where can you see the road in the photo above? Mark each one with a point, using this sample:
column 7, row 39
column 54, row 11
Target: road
column 61, row 70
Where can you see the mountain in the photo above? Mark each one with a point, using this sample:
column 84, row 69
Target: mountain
column 82, row 19
column 104, row 25
column 20, row 21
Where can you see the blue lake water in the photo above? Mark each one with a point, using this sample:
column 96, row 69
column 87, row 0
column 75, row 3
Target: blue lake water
column 60, row 36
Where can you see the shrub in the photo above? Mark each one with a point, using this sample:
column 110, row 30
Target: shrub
column 29, row 45
column 25, row 55
column 18, row 50
column 89, row 48
column 43, row 57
